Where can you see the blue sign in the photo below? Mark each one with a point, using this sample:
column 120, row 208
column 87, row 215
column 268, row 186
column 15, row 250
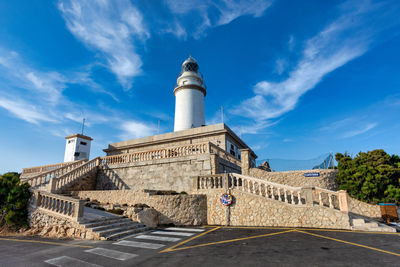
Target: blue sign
column 312, row 174
column 226, row 199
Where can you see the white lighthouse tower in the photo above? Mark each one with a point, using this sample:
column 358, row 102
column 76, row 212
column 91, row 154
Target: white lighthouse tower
column 189, row 97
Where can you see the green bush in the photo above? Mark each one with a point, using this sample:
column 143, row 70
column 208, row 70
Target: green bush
column 371, row 177
column 13, row 201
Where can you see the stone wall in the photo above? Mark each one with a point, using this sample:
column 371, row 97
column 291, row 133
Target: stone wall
column 161, row 174
column 363, row 209
column 253, row 210
column 86, row 182
column 47, row 224
column 177, row 209
column 326, row 180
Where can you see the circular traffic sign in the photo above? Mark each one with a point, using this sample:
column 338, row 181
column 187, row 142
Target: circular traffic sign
column 226, row 199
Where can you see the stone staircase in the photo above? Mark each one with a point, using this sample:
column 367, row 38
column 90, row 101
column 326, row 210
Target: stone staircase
column 113, row 228
column 361, row 224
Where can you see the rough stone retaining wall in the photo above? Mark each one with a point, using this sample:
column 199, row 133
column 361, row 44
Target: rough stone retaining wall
column 161, row 174
column 177, row 209
column 364, row 209
column 50, row 225
column 296, row 178
column 252, row 210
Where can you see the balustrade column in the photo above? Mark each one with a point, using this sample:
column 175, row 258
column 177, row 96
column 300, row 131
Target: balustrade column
column 330, row 201
column 299, row 198
column 291, row 197
column 320, row 199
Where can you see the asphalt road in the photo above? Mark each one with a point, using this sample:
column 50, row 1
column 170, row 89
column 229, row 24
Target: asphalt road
column 210, row 246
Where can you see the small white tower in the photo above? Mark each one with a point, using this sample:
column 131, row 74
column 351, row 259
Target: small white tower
column 77, row 147
column 189, row 97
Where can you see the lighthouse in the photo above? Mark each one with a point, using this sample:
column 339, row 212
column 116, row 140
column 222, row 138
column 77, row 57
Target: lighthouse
column 189, row 97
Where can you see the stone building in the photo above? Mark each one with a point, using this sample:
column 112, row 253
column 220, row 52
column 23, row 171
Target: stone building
column 178, row 178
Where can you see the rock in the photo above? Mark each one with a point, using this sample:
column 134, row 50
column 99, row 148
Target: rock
column 148, row 217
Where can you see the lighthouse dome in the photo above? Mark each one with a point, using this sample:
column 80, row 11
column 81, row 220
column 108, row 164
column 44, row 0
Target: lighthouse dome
column 190, row 64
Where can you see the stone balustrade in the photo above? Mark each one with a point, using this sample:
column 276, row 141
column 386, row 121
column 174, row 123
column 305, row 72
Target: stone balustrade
column 46, row 168
column 224, row 155
column 284, row 193
column 171, row 152
column 58, row 183
column 58, row 204
column 43, row 178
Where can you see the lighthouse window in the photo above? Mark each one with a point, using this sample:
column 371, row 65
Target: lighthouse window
column 83, row 143
column 77, row 154
column 70, row 141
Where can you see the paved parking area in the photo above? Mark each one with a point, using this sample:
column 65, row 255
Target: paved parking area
column 210, row 246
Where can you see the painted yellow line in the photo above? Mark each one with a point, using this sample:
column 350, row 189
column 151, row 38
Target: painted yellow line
column 348, row 231
column 306, row 229
column 350, row 243
column 232, row 240
column 190, row 239
column 45, row 242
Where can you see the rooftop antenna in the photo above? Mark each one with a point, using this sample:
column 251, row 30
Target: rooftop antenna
column 83, row 125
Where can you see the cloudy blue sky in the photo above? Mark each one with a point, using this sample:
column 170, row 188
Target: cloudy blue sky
column 296, row 78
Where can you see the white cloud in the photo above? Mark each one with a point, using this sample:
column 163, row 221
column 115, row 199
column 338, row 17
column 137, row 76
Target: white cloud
column 135, row 129
column 215, row 13
column 338, row 43
column 362, row 130
column 25, row 111
column 111, row 28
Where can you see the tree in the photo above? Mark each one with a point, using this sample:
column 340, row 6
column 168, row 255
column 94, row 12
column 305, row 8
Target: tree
column 14, row 199
column 373, row 176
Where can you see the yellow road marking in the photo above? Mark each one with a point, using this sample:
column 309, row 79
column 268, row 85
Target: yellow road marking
column 44, row 242
column 230, row 240
column 306, row 229
column 254, row 227
column 350, row 243
column 190, row 239
column 349, row 231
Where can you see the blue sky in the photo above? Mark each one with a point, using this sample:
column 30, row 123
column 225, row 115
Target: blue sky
column 296, row 78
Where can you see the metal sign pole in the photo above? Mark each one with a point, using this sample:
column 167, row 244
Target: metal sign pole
column 227, row 207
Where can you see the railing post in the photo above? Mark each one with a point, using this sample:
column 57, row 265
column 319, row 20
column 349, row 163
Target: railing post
column 307, row 192
column 78, row 209
column 214, row 163
column 37, row 198
column 196, row 183
column 51, row 187
column 343, row 201
column 245, row 159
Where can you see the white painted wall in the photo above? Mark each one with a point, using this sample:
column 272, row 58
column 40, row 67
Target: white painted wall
column 75, row 149
column 189, row 109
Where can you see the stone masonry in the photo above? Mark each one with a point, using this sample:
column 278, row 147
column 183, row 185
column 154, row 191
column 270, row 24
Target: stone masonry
column 326, row 179
column 177, row 209
column 253, row 210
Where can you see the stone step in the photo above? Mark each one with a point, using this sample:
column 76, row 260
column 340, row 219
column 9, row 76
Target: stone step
column 108, row 232
column 119, row 235
column 102, row 221
column 105, row 221
column 358, row 222
column 112, row 225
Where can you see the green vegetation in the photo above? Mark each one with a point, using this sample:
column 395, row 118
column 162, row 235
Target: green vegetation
column 13, row 201
column 372, row 177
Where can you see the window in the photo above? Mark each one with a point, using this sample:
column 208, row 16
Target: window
column 77, row 154
column 83, row 143
column 70, row 141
